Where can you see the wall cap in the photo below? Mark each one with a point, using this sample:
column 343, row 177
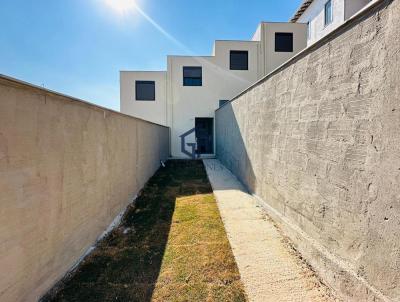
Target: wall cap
column 10, row 81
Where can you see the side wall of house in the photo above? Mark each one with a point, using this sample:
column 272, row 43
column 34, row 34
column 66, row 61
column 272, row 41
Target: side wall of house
column 319, row 142
column 67, row 168
column 152, row 111
column 351, row 7
column 272, row 58
column 315, row 14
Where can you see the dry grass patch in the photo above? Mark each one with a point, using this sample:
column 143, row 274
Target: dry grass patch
column 198, row 264
column 171, row 246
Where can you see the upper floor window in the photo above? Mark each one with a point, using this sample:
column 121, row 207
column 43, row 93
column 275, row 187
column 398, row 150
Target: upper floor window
column 309, row 30
column 239, row 60
column 222, row 102
column 192, row 76
column 328, row 13
column 284, row 42
column 145, row 90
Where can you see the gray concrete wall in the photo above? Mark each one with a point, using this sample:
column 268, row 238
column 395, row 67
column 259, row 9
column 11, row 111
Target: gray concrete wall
column 319, row 142
column 67, row 168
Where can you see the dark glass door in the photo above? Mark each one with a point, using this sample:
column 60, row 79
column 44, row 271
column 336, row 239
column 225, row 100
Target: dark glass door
column 204, row 135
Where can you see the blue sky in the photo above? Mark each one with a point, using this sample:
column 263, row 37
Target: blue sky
column 78, row 47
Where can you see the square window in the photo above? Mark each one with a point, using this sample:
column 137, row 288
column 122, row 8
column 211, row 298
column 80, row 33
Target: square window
column 284, row 42
column 328, row 13
column 145, row 90
column 239, row 60
column 222, row 102
column 192, row 76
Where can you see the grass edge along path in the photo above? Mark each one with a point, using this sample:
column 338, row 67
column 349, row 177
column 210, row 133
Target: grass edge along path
column 170, row 246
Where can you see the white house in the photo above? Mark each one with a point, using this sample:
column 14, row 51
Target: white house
column 186, row 96
column 324, row 16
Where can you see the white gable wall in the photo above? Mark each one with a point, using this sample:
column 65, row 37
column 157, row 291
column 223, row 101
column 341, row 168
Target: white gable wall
column 315, row 14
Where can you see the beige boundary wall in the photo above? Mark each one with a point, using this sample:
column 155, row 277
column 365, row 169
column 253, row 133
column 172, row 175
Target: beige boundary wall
column 318, row 141
column 67, row 169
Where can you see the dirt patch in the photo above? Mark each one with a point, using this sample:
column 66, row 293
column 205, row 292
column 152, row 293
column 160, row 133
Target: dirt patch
column 170, row 246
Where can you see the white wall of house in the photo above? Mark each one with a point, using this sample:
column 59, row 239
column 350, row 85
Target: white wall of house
column 219, row 83
column 315, row 16
column 274, row 59
column 353, row 6
column 177, row 106
column 153, row 111
column 257, row 33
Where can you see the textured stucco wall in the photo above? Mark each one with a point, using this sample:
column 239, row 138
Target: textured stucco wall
column 67, row 168
column 319, row 142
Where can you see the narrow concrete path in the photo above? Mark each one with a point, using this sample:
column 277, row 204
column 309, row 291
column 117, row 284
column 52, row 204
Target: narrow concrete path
column 270, row 269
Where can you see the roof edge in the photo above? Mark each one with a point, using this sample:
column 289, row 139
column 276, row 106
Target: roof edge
column 303, row 7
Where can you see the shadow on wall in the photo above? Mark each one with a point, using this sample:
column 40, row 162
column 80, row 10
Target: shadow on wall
column 125, row 266
column 67, row 169
column 231, row 137
column 317, row 140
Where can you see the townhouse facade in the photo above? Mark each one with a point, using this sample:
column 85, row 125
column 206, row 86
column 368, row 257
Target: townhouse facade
column 186, row 95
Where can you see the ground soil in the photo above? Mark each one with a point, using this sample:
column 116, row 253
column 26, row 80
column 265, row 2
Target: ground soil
column 170, row 246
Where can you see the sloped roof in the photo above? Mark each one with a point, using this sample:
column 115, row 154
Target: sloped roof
column 301, row 10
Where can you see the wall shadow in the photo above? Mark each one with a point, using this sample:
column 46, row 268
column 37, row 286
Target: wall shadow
column 126, row 264
column 231, row 147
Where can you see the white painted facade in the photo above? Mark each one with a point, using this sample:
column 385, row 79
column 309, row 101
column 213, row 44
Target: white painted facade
column 314, row 16
column 154, row 111
column 219, row 83
column 271, row 59
column 178, row 106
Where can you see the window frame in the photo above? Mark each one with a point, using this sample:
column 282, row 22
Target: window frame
column 139, row 82
column 185, row 78
column 237, row 67
column 277, row 49
column 222, row 103
column 327, row 21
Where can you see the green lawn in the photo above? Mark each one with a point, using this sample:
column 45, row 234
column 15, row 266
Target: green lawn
column 171, row 246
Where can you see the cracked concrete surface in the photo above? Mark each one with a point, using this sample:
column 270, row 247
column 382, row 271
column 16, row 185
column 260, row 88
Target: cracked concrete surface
column 270, row 269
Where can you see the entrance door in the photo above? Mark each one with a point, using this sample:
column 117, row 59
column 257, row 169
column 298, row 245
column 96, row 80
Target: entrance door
column 204, row 127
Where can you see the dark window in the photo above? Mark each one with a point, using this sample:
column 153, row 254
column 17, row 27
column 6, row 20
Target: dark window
column 328, row 13
column 222, row 102
column 239, row 60
column 284, row 42
column 192, row 76
column 145, row 90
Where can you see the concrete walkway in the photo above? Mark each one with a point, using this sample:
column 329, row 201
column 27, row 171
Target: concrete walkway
column 269, row 268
